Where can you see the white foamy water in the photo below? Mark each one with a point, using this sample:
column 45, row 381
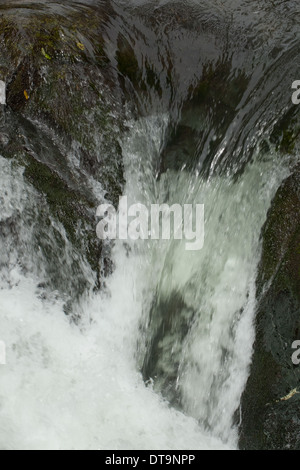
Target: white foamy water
column 66, row 388
column 79, row 387
column 216, row 283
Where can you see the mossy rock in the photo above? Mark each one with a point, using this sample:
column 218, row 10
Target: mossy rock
column 211, row 104
column 269, row 421
column 286, row 133
column 59, row 126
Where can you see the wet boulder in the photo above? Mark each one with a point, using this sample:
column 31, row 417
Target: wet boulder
column 270, row 405
column 61, row 124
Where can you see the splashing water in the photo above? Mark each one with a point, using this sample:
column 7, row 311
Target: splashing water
column 80, row 387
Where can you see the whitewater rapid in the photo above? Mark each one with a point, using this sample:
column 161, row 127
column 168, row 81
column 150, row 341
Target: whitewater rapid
column 68, row 386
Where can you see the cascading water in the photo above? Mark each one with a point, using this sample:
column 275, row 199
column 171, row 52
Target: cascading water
column 198, row 336
column 56, row 367
column 159, row 358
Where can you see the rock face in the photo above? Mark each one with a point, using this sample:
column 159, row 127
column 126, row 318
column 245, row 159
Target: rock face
column 60, row 126
column 270, row 407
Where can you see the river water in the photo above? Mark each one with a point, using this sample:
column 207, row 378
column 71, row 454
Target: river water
column 161, row 356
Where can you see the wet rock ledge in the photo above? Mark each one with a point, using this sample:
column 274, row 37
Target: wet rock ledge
column 61, row 124
column 271, row 402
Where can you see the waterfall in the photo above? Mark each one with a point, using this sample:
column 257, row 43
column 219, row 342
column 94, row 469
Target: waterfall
column 71, row 386
column 155, row 355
